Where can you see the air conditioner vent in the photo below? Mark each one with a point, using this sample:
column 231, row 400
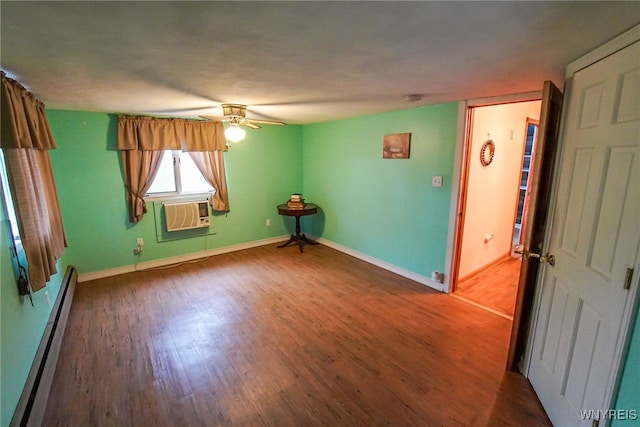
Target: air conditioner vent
column 185, row 216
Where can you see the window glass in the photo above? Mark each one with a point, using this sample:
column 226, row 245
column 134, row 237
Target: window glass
column 190, row 177
column 178, row 174
column 165, row 181
column 8, row 201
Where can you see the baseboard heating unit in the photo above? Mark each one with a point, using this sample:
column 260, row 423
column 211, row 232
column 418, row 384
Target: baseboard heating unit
column 33, row 401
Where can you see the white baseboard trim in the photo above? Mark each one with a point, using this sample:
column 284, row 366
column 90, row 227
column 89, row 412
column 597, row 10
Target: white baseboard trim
column 423, row 280
column 484, row 307
column 178, row 259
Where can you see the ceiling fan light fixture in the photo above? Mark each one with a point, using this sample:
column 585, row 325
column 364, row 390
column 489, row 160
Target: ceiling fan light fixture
column 235, row 133
column 234, row 110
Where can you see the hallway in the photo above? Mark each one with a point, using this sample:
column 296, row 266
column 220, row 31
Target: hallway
column 494, row 288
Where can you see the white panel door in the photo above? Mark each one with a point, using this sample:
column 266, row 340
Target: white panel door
column 595, row 239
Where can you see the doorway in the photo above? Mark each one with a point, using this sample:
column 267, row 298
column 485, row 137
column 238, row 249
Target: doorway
column 500, row 144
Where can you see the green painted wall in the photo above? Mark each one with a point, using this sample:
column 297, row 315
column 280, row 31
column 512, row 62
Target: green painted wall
column 629, row 393
column 262, row 171
column 385, row 208
column 21, row 325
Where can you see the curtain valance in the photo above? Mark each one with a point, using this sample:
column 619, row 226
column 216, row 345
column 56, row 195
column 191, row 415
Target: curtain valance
column 152, row 134
column 24, row 122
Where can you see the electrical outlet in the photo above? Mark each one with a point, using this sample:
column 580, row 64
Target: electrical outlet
column 268, row 223
column 138, row 250
column 46, row 295
column 437, row 276
column 437, row 181
column 140, row 241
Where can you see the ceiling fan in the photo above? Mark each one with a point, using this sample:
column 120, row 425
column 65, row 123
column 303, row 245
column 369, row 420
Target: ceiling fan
column 235, row 114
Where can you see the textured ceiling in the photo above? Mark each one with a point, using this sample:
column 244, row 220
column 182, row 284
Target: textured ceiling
column 300, row 62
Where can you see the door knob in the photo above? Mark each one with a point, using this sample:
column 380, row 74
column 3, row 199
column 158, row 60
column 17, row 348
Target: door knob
column 546, row 258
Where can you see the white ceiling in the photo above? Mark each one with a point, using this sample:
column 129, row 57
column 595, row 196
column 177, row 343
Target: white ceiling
column 300, row 62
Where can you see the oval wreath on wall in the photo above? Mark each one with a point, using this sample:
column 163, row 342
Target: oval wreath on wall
column 486, row 152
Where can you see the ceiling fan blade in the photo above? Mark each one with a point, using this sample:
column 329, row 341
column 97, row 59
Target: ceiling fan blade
column 250, row 124
column 235, row 113
column 266, row 122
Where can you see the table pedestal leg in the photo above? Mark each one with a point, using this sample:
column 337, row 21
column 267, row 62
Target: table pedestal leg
column 298, row 238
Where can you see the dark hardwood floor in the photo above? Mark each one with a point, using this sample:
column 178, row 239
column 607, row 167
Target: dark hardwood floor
column 495, row 288
column 274, row 337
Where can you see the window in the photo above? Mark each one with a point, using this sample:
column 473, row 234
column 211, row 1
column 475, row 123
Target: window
column 8, row 200
column 178, row 175
column 17, row 251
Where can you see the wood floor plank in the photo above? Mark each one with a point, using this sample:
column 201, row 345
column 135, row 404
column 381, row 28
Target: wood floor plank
column 494, row 288
column 268, row 337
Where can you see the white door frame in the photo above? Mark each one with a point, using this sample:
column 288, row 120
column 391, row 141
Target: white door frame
column 631, row 305
column 461, row 140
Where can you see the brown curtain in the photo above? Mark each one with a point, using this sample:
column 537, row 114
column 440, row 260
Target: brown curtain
column 211, row 164
column 203, row 136
column 140, row 168
column 149, row 133
column 24, row 122
column 26, row 137
column 142, row 140
column 153, row 133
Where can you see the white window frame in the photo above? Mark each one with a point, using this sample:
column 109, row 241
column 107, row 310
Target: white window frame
column 179, row 194
column 10, row 211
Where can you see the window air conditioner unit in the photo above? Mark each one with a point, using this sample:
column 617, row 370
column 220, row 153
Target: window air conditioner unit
column 185, row 216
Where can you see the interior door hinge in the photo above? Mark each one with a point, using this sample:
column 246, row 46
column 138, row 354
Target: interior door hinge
column 627, row 279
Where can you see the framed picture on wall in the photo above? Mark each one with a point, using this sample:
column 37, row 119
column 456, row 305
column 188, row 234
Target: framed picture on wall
column 396, row 146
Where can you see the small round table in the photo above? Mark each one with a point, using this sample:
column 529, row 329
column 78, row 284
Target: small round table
column 300, row 239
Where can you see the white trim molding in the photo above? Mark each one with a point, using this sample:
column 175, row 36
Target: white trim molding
column 609, row 48
column 423, row 280
column 454, row 213
column 505, row 99
column 177, row 259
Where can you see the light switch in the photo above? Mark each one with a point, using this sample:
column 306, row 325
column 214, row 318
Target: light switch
column 437, row 181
